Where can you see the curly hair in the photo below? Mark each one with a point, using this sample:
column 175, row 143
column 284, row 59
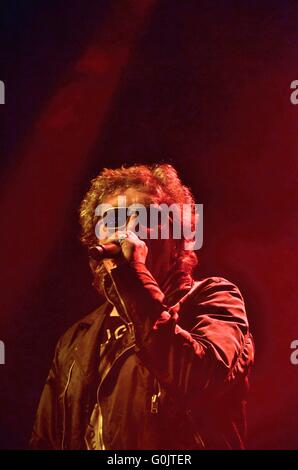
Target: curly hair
column 161, row 181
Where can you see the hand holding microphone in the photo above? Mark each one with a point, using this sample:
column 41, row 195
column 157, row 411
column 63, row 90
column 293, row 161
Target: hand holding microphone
column 126, row 243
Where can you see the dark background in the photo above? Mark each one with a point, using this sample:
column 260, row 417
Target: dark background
column 202, row 85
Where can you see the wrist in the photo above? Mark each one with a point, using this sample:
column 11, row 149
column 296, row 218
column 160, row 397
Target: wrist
column 136, row 263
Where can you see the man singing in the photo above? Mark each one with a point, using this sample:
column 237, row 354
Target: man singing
column 163, row 363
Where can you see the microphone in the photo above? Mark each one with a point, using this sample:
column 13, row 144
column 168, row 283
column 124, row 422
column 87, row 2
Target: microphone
column 108, row 250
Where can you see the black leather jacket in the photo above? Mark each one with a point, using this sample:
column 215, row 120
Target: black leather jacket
column 178, row 381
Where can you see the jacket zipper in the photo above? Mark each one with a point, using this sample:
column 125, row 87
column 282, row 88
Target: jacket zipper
column 127, row 319
column 130, row 327
column 155, row 397
column 64, row 406
column 100, row 425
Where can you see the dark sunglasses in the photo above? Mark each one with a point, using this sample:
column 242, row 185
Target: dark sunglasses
column 118, row 217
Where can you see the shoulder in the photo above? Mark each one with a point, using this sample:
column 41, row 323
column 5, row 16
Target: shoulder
column 216, row 295
column 215, row 285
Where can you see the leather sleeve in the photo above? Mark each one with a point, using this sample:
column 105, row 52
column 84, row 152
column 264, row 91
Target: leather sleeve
column 199, row 347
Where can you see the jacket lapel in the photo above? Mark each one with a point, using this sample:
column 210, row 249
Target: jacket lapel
column 86, row 352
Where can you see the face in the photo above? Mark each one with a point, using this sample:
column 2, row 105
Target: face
column 160, row 251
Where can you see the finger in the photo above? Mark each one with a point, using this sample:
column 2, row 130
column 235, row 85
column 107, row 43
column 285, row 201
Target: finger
column 132, row 236
column 116, row 236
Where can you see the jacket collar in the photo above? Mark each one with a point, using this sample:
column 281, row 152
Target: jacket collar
column 176, row 284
